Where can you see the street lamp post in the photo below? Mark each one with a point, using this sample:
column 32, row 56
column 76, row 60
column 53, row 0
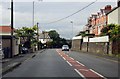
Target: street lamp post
column 11, row 53
column 72, row 34
column 72, row 27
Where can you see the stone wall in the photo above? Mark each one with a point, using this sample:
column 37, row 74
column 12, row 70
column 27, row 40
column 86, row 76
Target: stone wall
column 97, row 47
column 84, row 46
column 115, row 47
column 76, row 44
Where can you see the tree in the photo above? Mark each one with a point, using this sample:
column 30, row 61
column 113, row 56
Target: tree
column 81, row 33
column 28, row 32
column 113, row 30
column 54, row 35
column 57, row 41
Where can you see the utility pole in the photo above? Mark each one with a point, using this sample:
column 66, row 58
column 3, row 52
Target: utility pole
column 38, row 35
column 11, row 53
column 33, row 13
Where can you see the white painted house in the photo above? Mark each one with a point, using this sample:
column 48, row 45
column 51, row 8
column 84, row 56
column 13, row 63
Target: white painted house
column 114, row 15
column 44, row 37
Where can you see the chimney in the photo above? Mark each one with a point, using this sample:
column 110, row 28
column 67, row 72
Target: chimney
column 118, row 3
column 108, row 7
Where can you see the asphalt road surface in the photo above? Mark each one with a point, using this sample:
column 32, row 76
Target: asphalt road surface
column 56, row 63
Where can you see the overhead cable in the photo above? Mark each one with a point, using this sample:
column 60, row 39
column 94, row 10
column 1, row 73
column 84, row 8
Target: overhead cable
column 72, row 13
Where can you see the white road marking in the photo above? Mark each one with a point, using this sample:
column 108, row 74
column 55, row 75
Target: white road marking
column 71, row 58
column 69, row 63
column 64, row 58
column 80, row 74
column 80, row 63
column 98, row 74
column 83, row 69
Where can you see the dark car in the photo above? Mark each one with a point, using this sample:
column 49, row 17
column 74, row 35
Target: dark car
column 24, row 50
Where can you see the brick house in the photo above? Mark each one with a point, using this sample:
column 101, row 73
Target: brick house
column 99, row 20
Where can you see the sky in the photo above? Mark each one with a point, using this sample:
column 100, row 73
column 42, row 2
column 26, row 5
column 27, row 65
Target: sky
column 47, row 11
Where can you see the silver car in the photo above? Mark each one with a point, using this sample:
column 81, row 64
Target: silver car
column 65, row 48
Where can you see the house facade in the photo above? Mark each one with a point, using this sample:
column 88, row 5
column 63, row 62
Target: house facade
column 113, row 15
column 44, row 37
column 99, row 44
column 5, row 34
column 99, row 20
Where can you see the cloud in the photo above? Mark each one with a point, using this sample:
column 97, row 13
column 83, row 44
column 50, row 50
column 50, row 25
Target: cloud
column 5, row 16
column 49, row 12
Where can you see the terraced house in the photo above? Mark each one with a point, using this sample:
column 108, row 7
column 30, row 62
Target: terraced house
column 93, row 41
column 99, row 20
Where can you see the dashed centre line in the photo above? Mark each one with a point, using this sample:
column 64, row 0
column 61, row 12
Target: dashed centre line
column 69, row 63
column 80, row 74
column 64, row 58
column 80, row 63
column 98, row 73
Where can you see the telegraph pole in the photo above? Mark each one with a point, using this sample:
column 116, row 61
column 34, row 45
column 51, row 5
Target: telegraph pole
column 33, row 13
column 38, row 35
column 11, row 53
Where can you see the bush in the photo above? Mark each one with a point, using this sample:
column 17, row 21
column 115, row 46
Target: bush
column 112, row 30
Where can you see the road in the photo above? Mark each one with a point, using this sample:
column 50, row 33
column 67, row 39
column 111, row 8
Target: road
column 55, row 63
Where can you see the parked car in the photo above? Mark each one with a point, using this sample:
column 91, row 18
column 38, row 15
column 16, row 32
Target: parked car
column 65, row 48
column 1, row 54
column 24, row 50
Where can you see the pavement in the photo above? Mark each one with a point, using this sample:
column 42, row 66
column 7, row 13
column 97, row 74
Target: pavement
column 9, row 64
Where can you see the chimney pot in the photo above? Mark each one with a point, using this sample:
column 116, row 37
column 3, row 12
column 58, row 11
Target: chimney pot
column 108, row 7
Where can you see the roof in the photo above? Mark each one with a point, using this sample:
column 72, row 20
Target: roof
column 44, row 36
column 112, row 10
column 77, row 37
column 5, row 29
